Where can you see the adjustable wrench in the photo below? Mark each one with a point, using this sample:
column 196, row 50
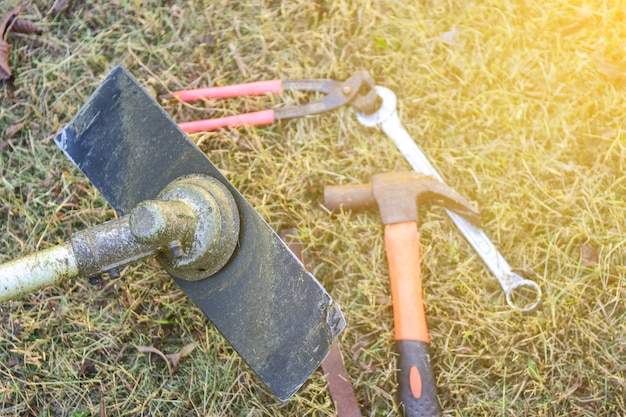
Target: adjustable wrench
column 387, row 118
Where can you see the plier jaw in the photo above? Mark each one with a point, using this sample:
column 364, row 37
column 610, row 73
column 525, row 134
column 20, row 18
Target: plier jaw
column 357, row 91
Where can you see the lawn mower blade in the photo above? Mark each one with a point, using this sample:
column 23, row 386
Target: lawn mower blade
column 273, row 312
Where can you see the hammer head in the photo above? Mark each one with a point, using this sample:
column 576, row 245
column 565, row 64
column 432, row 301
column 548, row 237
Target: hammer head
column 399, row 194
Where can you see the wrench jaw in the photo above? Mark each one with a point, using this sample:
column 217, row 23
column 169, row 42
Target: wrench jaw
column 387, row 108
column 522, row 294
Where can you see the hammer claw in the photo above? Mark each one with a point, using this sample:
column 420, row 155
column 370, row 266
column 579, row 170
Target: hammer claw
column 399, row 194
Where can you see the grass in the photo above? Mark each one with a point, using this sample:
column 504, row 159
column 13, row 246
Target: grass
column 519, row 104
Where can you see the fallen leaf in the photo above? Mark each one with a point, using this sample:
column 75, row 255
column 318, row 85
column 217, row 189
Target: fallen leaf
column 572, row 389
column 57, row 7
column 589, row 254
column 210, row 42
column 87, row 368
column 13, row 129
column 610, row 70
column 10, row 22
column 451, row 37
column 367, row 367
column 6, row 24
column 357, row 348
column 32, row 411
column 150, row 349
column 176, row 357
column 156, row 343
column 5, row 70
column 610, row 134
column 383, row 300
column 27, row 27
column 576, row 26
column 8, row 143
column 17, row 328
column 103, row 409
column 244, row 145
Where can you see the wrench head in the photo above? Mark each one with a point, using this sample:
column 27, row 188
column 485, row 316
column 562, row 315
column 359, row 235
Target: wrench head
column 273, row 312
column 385, row 111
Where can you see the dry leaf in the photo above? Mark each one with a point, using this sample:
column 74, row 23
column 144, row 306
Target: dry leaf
column 156, row 343
column 357, row 348
column 87, row 368
column 13, row 129
column 589, row 254
column 610, row 134
column 26, row 26
column 576, row 26
column 186, row 350
column 5, row 69
column 244, row 145
column 6, row 25
column 609, row 70
column 57, row 7
column 210, row 41
column 383, row 300
column 451, row 37
column 10, row 22
column 150, row 349
column 367, row 367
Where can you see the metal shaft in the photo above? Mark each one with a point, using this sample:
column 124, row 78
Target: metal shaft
column 108, row 247
column 194, row 226
column 38, row 270
column 91, row 252
column 387, row 118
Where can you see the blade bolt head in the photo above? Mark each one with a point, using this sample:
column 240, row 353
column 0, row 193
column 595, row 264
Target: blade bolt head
column 114, row 273
column 95, row 280
column 157, row 221
column 176, row 249
column 346, row 90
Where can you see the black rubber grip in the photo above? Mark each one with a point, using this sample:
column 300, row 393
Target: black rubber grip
column 418, row 392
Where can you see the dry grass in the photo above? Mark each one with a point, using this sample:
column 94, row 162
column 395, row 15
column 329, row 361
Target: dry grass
column 520, row 104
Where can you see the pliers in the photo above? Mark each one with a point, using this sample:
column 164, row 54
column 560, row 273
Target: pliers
column 358, row 91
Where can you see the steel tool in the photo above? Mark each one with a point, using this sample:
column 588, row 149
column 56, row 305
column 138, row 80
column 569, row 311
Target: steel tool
column 521, row 294
column 398, row 196
column 357, row 91
column 178, row 206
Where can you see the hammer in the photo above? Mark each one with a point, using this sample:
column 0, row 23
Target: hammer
column 398, row 196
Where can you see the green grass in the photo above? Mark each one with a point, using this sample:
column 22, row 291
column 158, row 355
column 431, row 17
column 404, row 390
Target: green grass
column 520, row 105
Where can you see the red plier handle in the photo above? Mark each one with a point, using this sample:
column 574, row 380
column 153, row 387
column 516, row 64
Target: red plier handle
column 357, row 91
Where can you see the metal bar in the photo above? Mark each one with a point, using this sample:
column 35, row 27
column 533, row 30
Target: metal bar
column 38, row 270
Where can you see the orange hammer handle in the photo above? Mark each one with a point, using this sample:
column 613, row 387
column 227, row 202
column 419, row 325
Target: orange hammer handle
column 418, row 391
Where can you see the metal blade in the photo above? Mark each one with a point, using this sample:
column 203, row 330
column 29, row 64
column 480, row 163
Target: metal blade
column 273, row 312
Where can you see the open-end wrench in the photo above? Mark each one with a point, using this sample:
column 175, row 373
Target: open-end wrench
column 387, row 118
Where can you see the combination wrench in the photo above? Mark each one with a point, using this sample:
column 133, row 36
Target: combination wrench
column 386, row 117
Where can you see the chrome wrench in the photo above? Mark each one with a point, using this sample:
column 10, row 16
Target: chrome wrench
column 387, row 118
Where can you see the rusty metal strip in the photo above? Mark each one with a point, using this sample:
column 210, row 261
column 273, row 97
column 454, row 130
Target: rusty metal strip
column 339, row 383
